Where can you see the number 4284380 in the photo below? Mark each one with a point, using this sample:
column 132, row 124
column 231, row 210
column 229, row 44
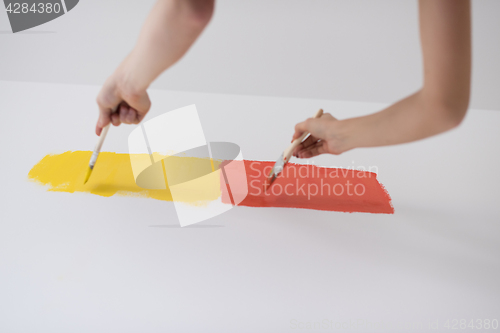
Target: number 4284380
column 480, row 324
column 36, row 8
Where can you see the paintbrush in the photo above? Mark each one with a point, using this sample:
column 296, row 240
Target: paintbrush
column 96, row 152
column 285, row 157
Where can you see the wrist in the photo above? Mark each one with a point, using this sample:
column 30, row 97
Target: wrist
column 128, row 77
column 342, row 135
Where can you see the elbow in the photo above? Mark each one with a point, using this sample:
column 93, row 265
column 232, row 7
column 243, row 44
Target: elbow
column 451, row 115
column 446, row 112
column 456, row 116
column 198, row 13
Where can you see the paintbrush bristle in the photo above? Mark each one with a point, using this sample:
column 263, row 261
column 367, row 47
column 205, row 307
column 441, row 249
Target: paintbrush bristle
column 87, row 176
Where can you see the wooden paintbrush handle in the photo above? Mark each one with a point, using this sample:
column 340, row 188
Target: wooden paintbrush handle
column 98, row 146
column 288, row 152
column 104, row 132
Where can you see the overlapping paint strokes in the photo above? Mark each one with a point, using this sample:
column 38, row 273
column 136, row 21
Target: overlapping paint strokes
column 299, row 186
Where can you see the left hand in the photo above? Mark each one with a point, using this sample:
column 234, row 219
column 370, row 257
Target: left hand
column 119, row 102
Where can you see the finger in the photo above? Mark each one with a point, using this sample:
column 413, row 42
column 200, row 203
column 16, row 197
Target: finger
column 296, row 134
column 115, row 119
column 317, row 149
column 103, row 120
column 317, row 128
column 304, row 126
column 131, row 116
column 306, row 143
column 107, row 100
column 124, row 110
column 309, row 141
column 140, row 103
column 105, row 117
column 98, row 130
column 138, row 117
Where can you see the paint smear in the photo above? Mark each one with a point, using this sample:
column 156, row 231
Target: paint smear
column 312, row 187
column 299, row 186
column 112, row 175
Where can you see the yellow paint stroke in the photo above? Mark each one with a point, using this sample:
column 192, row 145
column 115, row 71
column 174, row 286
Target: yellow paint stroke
column 113, row 174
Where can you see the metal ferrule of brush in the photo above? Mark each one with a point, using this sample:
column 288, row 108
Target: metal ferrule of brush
column 93, row 159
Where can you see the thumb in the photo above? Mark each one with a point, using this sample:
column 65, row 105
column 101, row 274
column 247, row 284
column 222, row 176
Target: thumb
column 313, row 126
column 104, row 119
column 107, row 101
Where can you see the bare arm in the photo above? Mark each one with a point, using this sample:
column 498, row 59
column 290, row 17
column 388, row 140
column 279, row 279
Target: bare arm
column 438, row 106
column 169, row 31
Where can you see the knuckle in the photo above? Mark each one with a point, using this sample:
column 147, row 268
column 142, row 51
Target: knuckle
column 200, row 11
column 104, row 100
column 131, row 94
column 100, row 100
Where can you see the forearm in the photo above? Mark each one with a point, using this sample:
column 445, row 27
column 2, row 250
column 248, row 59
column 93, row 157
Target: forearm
column 413, row 118
column 442, row 102
column 170, row 30
column 440, row 105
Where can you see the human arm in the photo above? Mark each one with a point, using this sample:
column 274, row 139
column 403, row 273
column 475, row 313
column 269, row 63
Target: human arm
column 171, row 28
column 438, row 106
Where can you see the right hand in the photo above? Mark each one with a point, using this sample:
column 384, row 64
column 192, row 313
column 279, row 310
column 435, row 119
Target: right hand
column 119, row 102
column 327, row 137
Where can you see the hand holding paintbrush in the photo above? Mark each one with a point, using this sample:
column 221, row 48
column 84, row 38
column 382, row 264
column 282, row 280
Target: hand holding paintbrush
column 285, row 156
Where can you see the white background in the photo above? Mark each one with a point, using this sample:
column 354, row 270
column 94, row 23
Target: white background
column 359, row 50
column 84, row 263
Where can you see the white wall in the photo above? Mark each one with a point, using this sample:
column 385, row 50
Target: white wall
column 345, row 50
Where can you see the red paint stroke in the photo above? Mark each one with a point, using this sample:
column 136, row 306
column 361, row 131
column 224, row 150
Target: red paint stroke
column 312, row 187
